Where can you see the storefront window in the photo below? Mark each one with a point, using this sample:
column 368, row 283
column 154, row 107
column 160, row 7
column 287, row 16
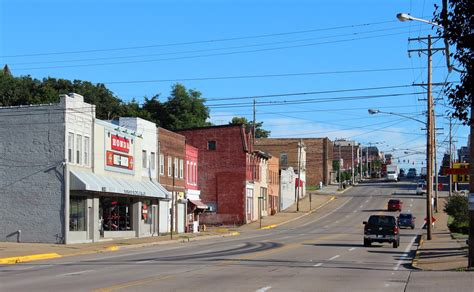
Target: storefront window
column 116, row 214
column 77, row 213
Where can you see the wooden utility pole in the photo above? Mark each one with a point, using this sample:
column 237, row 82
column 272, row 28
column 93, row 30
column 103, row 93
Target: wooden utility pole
column 429, row 146
column 470, row 262
column 254, row 119
column 450, row 176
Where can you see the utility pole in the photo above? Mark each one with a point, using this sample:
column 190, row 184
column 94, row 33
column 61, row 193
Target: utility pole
column 470, row 262
column 352, row 161
column 429, row 129
column 340, row 167
column 366, row 161
column 450, row 155
column 435, row 162
column 360, row 159
column 172, row 202
column 299, row 176
column 254, row 119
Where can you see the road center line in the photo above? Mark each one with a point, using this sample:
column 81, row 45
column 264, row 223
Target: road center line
column 334, row 257
column 406, row 252
column 352, row 248
column 263, row 289
column 318, row 265
column 76, row 273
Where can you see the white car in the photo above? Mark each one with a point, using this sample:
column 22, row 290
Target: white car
column 420, row 188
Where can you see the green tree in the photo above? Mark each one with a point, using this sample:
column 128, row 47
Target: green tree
column 457, row 21
column 184, row 109
column 259, row 131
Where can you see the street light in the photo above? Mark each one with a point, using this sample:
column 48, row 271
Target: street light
column 376, row 111
column 407, row 17
column 429, row 156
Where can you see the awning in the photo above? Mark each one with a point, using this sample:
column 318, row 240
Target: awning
column 88, row 181
column 199, row 204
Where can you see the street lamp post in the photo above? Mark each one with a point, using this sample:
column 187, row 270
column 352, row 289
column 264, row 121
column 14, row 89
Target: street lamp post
column 429, row 148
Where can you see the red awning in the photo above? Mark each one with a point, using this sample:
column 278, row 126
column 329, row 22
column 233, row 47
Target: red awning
column 199, row 204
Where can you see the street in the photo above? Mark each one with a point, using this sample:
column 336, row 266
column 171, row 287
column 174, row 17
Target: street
column 319, row 252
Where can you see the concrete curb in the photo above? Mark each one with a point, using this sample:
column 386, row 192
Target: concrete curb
column 28, row 258
column 299, row 217
column 414, row 262
column 111, row 248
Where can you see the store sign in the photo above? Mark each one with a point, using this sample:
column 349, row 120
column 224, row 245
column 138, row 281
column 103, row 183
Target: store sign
column 121, row 144
column 134, row 192
column 119, row 160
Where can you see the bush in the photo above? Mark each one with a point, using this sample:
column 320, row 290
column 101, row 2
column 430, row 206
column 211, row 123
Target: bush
column 457, row 207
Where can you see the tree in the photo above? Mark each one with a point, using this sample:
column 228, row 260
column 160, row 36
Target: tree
column 184, row 109
column 457, row 20
column 259, row 131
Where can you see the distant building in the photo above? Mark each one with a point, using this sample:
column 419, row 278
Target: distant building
column 348, row 151
column 463, row 154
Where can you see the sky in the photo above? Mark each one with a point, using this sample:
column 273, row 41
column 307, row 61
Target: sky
column 314, row 68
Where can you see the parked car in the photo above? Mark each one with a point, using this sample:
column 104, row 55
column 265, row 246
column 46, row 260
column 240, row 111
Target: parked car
column 406, row 220
column 381, row 228
column 420, row 188
column 394, row 205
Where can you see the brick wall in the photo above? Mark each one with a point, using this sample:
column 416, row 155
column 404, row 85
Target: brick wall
column 319, row 156
column 222, row 171
column 173, row 145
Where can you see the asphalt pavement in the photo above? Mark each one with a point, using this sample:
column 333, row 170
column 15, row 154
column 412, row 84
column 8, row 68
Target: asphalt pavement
column 321, row 251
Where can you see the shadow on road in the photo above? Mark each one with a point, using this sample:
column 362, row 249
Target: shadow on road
column 334, row 244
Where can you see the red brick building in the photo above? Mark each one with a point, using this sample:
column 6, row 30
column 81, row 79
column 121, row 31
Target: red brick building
column 319, row 156
column 349, row 151
column 172, row 154
column 193, row 194
column 226, row 167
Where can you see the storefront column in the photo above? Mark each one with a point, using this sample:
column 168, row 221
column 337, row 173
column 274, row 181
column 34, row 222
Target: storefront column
column 96, row 224
column 137, row 216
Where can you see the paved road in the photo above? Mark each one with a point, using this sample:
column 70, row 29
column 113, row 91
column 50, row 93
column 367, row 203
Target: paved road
column 320, row 252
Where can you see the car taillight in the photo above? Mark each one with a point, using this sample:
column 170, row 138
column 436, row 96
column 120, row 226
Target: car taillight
column 395, row 229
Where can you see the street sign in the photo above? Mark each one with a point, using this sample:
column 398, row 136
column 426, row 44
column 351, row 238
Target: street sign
column 464, row 171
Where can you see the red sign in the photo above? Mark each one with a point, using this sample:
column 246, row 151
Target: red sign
column 456, row 171
column 121, row 144
column 119, row 160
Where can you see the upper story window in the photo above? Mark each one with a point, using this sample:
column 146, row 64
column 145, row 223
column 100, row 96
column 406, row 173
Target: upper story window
column 211, row 145
column 144, row 159
column 162, row 164
column 181, row 168
column 78, row 149
column 86, row 150
column 175, row 167
column 170, row 166
column 70, row 147
column 152, row 160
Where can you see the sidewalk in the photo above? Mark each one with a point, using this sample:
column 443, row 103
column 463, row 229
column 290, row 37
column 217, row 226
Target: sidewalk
column 319, row 198
column 442, row 253
column 11, row 252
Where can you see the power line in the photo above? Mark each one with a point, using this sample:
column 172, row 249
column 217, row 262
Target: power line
column 206, row 55
column 195, row 42
column 263, row 75
column 209, row 50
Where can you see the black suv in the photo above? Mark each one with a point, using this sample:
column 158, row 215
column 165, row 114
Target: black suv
column 381, row 228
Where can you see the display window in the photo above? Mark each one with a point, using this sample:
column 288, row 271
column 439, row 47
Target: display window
column 116, row 214
column 77, row 213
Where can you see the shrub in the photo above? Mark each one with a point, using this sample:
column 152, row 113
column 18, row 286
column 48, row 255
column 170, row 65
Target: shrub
column 457, row 207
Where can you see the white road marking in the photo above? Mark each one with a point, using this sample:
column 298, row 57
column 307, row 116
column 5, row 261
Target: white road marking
column 142, row 262
column 412, row 200
column 387, row 284
column 334, row 257
column 405, row 252
column 263, row 289
column 411, row 205
column 337, row 221
column 352, row 248
column 285, row 237
column 76, row 273
column 367, row 201
column 361, row 206
column 324, row 216
column 354, row 211
column 318, row 265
